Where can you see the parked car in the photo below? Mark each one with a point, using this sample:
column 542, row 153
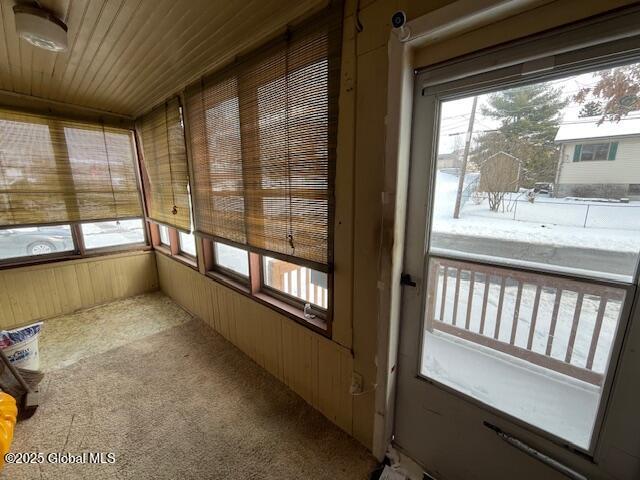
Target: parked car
column 544, row 188
column 19, row 242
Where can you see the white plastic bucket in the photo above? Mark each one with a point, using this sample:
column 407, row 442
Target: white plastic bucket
column 21, row 346
column 25, row 354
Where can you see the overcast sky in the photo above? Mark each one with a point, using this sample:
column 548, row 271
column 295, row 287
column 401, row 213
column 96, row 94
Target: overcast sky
column 455, row 114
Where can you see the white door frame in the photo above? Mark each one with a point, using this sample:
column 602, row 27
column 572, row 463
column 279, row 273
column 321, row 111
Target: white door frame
column 455, row 18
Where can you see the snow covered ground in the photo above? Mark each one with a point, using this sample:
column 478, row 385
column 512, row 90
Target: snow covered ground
column 555, row 403
column 549, row 221
column 107, row 234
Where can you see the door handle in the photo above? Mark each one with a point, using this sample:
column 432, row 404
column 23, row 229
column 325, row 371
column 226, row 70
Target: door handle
column 405, row 279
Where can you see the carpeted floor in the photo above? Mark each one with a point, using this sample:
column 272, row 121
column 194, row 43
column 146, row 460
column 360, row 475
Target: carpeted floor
column 172, row 400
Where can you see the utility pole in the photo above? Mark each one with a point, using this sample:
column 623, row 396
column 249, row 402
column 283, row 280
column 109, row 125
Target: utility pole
column 465, row 158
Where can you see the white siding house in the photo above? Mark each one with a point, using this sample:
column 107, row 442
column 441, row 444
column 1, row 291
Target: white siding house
column 599, row 160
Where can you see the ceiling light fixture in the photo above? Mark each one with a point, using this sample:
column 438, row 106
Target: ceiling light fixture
column 40, row 28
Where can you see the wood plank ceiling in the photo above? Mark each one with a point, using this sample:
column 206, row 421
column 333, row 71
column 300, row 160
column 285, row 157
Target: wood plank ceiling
column 125, row 56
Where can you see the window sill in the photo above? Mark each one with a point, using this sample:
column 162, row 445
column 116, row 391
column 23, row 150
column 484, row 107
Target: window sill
column 229, row 282
column 317, row 323
column 71, row 257
column 189, row 262
column 188, row 259
column 115, row 248
column 163, row 249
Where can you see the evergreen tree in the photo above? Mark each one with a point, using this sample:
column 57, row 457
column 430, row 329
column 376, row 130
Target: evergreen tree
column 529, row 118
column 590, row 109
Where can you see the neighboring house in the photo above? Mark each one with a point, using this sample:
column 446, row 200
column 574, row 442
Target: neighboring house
column 449, row 160
column 609, row 152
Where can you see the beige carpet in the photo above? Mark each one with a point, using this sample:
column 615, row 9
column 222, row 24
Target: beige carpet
column 172, row 400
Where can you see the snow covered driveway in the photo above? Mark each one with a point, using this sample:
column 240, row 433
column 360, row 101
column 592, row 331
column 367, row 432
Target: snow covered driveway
column 550, row 231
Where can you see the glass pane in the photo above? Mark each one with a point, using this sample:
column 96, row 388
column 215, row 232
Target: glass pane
column 538, row 190
column 109, row 234
column 164, row 235
column 588, row 152
column 24, row 242
column 232, row 258
column 602, row 149
column 187, row 243
column 530, row 187
column 304, row 283
column 534, row 346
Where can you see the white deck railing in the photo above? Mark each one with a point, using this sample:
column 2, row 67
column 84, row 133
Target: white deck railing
column 297, row 282
column 546, row 334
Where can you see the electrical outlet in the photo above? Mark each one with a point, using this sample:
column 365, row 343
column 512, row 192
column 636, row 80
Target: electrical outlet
column 356, row 383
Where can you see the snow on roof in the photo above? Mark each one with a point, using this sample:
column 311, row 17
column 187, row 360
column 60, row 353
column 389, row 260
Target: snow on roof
column 587, row 128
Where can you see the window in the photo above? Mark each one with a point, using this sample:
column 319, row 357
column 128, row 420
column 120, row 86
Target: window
column 187, row 243
column 286, row 286
column 170, row 241
column 303, row 283
column 164, row 235
column 263, row 146
column 526, row 296
column 26, row 242
column 115, row 233
column 595, row 152
column 230, row 258
column 78, row 175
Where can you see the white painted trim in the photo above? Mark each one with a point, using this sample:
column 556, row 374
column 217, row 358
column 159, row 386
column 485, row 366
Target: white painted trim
column 462, row 16
column 398, row 141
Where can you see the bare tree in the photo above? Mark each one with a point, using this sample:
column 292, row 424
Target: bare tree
column 499, row 176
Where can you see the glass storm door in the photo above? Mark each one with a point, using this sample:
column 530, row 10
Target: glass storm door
column 524, row 230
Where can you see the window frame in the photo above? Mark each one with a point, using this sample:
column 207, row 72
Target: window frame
column 294, row 301
column 430, row 94
column 594, row 145
column 115, row 248
column 184, row 253
column 48, row 257
column 162, row 243
column 253, row 286
column 79, row 251
column 173, row 249
column 227, row 272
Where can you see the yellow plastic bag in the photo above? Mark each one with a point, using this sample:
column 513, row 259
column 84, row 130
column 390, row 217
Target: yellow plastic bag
column 8, row 414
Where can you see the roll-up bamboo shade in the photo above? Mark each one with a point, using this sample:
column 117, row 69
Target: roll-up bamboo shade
column 214, row 129
column 263, row 140
column 164, row 161
column 56, row 170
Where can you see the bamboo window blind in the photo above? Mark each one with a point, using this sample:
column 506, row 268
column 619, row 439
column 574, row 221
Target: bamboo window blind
column 164, row 162
column 55, row 170
column 263, row 136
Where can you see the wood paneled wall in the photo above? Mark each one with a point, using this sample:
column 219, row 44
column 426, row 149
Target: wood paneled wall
column 42, row 291
column 316, row 368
